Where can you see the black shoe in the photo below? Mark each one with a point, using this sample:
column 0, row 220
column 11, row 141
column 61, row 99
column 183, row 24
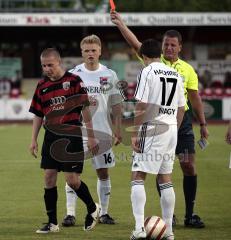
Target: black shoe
column 194, row 222
column 91, row 219
column 90, row 223
column 106, row 219
column 174, row 220
column 68, row 221
column 48, row 227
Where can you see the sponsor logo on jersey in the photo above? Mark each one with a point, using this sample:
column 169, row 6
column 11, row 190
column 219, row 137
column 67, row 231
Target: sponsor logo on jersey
column 95, row 89
column 57, row 103
column 66, row 85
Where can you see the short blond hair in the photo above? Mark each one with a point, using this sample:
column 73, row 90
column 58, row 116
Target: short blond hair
column 91, row 39
column 48, row 52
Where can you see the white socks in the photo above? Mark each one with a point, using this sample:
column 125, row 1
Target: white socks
column 71, row 198
column 104, row 191
column 167, row 202
column 138, row 199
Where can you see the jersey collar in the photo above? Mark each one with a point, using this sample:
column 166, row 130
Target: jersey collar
column 168, row 63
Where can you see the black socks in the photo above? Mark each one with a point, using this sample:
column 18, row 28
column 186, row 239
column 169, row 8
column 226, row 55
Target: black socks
column 50, row 198
column 84, row 194
column 190, row 187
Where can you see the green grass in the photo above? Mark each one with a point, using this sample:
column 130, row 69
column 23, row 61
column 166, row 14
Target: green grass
column 21, row 192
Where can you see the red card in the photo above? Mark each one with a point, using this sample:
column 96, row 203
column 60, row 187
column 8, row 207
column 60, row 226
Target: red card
column 112, row 4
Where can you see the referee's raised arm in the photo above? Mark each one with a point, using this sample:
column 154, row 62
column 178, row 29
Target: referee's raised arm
column 125, row 31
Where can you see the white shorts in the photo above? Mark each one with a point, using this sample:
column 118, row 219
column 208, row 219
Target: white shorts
column 105, row 160
column 105, row 157
column 158, row 151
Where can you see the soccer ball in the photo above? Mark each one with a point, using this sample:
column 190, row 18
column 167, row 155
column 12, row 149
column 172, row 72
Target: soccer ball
column 155, row 227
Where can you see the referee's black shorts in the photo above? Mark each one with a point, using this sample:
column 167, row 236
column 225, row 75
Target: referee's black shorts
column 64, row 153
column 186, row 142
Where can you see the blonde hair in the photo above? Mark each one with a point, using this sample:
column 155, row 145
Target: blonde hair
column 92, row 39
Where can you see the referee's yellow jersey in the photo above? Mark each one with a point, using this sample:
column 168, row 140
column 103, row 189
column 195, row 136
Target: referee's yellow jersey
column 187, row 73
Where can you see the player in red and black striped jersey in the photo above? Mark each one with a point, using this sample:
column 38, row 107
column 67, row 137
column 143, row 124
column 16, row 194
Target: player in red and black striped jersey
column 53, row 95
column 60, row 99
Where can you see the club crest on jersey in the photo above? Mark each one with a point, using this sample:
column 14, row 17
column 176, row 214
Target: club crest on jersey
column 66, row 85
column 103, row 80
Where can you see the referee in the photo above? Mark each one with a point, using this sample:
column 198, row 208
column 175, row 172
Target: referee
column 171, row 47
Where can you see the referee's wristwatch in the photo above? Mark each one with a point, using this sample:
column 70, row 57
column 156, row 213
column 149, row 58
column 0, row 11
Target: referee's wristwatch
column 203, row 124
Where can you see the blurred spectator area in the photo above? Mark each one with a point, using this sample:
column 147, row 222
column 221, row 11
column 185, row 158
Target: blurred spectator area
column 211, row 59
column 10, row 77
column 30, row 41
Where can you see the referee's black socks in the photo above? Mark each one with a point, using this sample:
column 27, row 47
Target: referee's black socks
column 190, row 188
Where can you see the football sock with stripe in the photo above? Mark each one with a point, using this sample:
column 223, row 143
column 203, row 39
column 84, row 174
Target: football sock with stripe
column 138, row 199
column 84, row 194
column 71, row 198
column 167, row 202
column 190, row 187
column 104, row 191
column 50, row 198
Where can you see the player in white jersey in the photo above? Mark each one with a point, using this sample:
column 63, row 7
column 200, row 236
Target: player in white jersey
column 101, row 84
column 159, row 111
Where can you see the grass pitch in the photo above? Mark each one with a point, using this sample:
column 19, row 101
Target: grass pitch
column 21, row 192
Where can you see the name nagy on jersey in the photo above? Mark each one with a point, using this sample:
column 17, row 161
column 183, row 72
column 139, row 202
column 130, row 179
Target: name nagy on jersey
column 168, row 111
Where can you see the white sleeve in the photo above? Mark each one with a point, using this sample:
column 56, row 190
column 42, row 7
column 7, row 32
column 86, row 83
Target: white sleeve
column 142, row 88
column 181, row 101
column 73, row 71
column 116, row 94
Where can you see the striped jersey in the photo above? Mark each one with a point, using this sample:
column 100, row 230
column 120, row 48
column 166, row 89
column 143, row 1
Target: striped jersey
column 161, row 87
column 61, row 99
column 102, row 89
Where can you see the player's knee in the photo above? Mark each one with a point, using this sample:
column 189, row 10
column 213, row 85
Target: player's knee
column 102, row 173
column 188, row 168
column 50, row 182
column 50, row 179
column 73, row 181
column 74, row 185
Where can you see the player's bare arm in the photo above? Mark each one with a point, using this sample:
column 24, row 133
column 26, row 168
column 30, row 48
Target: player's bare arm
column 37, row 123
column 197, row 107
column 117, row 112
column 180, row 116
column 125, row 31
column 92, row 143
column 138, row 121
